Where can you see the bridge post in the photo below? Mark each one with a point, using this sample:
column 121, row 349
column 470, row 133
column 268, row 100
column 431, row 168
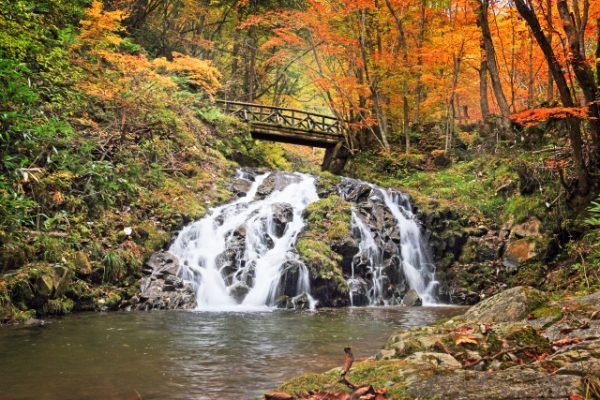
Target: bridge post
column 336, row 158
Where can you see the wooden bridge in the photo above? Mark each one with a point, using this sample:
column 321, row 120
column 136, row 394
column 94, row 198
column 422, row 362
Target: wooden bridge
column 289, row 125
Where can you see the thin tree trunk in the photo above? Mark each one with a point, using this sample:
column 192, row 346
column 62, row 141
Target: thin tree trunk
column 530, row 74
column 491, row 59
column 565, row 94
column 483, row 84
column 549, row 37
column 583, row 73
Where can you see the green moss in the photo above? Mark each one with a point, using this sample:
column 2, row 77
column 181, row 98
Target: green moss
column 380, row 374
column 60, row 306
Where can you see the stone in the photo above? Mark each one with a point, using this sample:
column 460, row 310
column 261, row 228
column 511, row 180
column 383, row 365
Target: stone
column 163, row 263
column 434, row 360
column 290, row 275
column 283, row 213
column 161, row 288
column 518, row 252
column 511, row 305
column 82, row 263
column 530, row 228
column 239, row 290
column 412, row 299
column 274, row 182
column 44, row 285
column 512, row 383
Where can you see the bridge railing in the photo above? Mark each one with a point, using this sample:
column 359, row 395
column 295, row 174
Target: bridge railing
column 259, row 114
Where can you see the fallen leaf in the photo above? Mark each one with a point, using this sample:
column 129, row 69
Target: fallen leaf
column 465, row 340
column 566, row 341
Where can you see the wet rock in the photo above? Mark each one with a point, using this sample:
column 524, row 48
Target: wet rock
column 301, row 302
column 239, row 290
column 358, row 289
column 510, row 305
column 347, row 247
column 274, row 182
column 356, row 191
column 161, row 288
column 283, row 214
column 412, row 299
column 290, row 275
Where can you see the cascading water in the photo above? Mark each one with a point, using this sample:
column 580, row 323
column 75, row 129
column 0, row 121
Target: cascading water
column 417, row 266
column 242, row 255
column 372, row 254
column 253, row 280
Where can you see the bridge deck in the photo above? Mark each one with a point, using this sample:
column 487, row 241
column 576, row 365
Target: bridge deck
column 287, row 125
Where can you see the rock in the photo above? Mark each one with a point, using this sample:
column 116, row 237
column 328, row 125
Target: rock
column 283, row 213
column 301, row 302
column 434, row 360
column 82, row 263
column 290, row 275
column 356, row 191
column 530, row 228
column 513, row 383
column 163, row 263
column 239, row 290
column 274, row 182
column 44, row 285
column 508, row 306
column 161, row 288
column 412, row 299
column 517, row 252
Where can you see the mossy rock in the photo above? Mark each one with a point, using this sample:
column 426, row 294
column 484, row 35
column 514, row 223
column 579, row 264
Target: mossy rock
column 511, row 305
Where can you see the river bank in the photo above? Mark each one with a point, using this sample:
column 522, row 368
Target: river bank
column 517, row 344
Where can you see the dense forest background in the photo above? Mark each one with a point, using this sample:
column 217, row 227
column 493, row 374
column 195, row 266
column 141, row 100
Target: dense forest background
column 109, row 140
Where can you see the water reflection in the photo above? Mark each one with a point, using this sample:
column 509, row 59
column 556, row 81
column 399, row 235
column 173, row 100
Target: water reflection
column 183, row 355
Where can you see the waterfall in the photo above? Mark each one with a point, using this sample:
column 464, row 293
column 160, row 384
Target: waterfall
column 242, row 255
column 234, row 256
column 417, row 265
column 369, row 250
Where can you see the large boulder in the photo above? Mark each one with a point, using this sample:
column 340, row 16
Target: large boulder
column 508, row 306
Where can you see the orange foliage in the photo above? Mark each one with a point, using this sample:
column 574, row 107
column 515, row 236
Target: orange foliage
column 538, row 115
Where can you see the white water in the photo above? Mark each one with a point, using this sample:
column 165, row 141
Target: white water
column 199, row 245
column 368, row 249
column 417, row 266
column 260, row 264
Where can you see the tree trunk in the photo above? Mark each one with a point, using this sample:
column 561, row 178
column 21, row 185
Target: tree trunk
column 574, row 127
column 549, row 37
column 583, row 74
column 491, row 59
column 598, row 52
column 483, row 85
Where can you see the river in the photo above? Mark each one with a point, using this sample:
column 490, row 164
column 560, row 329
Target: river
column 189, row 355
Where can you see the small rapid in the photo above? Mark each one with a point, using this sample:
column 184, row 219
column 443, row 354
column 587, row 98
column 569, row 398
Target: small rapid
column 242, row 256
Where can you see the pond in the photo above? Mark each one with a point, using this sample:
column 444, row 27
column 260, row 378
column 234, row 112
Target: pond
column 189, row 355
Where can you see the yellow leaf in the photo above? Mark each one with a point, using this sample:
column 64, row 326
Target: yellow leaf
column 465, row 340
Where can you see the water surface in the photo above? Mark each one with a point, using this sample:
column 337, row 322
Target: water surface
column 189, row 355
